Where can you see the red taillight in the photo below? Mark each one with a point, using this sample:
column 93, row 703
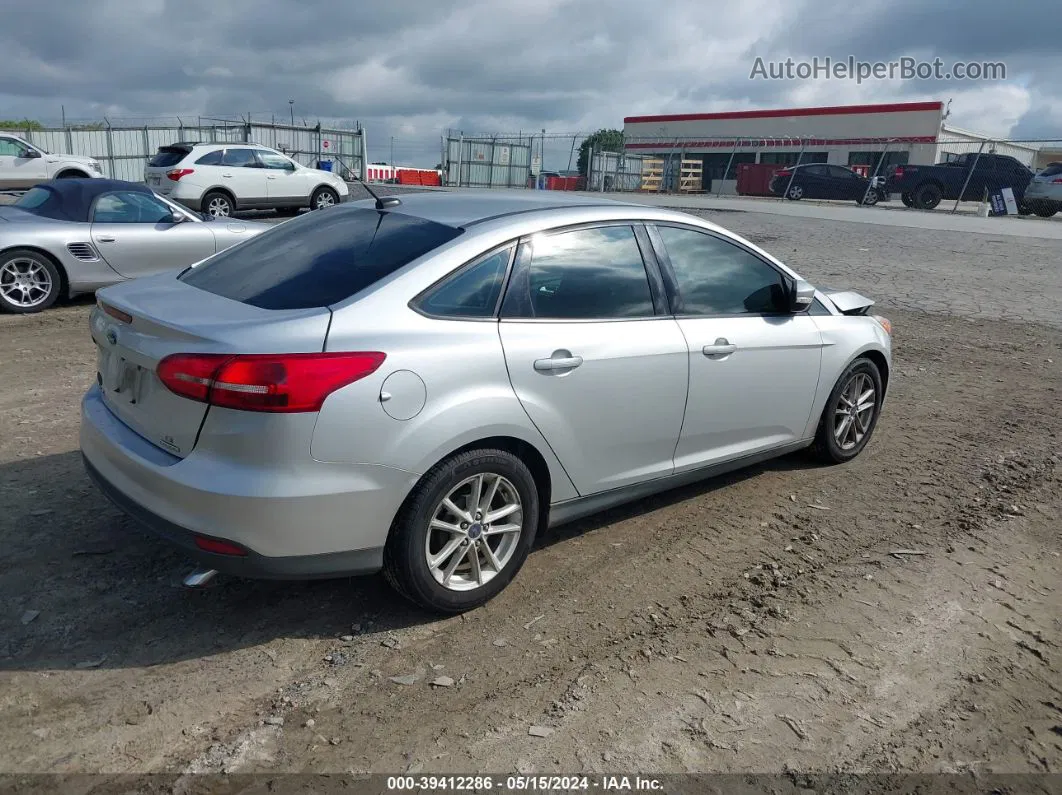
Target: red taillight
column 284, row 383
column 783, row 173
column 177, row 173
column 1057, row 181
column 219, row 547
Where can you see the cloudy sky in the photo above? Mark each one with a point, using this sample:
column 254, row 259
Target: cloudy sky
column 409, row 69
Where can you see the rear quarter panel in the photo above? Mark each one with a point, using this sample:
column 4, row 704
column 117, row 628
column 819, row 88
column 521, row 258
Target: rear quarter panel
column 51, row 238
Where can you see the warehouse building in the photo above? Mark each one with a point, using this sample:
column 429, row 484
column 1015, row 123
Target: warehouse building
column 867, row 136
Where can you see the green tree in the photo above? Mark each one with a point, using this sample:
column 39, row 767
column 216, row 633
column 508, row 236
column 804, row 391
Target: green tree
column 25, row 124
column 602, row 141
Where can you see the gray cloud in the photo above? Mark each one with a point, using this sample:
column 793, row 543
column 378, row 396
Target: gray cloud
column 408, row 69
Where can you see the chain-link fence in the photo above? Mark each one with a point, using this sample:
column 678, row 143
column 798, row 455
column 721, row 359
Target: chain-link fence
column 123, row 150
column 944, row 171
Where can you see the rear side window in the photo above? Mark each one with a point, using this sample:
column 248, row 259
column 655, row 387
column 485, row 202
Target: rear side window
column 473, row 291
column 585, row 274
column 1052, row 170
column 168, row 156
column 239, row 157
column 33, row 198
column 319, row 259
column 211, row 158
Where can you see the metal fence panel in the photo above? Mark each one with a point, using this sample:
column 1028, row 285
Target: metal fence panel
column 486, row 162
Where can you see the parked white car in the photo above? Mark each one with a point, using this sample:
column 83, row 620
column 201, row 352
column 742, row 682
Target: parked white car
column 23, row 165
column 220, row 178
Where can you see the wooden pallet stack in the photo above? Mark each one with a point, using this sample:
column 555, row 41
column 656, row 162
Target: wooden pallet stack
column 652, row 175
column 691, row 176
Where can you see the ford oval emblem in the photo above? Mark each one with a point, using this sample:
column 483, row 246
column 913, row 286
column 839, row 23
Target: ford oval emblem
column 112, row 336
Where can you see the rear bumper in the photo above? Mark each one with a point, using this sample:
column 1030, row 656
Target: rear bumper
column 1043, row 193
column 311, row 521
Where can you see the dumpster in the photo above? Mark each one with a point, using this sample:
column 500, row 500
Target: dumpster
column 324, row 165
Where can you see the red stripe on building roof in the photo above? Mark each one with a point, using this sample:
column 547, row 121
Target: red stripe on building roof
column 836, row 110
column 768, row 143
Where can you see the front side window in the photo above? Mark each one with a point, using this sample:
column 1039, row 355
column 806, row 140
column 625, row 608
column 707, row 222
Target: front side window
column 128, row 207
column 716, row 277
column 239, row 158
column 318, row 259
column 585, row 274
column 9, row 147
column 473, row 291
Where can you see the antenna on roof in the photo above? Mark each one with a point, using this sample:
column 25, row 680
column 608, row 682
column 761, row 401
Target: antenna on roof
column 381, row 204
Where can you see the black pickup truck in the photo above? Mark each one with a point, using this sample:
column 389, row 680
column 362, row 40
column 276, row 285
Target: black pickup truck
column 925, row 187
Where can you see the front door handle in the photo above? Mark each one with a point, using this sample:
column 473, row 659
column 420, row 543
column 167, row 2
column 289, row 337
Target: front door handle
column 227, row 176
column 721, row 347
column 106, row 238
column 270, row 177
column 560, row 360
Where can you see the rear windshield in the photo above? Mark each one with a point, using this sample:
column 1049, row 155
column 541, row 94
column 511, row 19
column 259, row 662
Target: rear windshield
column 1053, row 169
column 45, row 203
column 319, row 259
column 168, row 156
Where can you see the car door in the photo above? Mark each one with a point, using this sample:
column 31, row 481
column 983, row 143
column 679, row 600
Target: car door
column 754, row 368
column 814, row 179
column 20, row 166
column 598, row 365
column 843, row 183
column 286, row 183
column 134, row 232
column 244, row 176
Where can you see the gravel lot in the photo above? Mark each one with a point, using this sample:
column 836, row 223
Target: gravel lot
column 756, row 623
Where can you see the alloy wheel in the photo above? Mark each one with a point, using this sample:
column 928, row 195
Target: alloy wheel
column 474, row 532
column 854, row 414
column 25, row 282
column 219, row 207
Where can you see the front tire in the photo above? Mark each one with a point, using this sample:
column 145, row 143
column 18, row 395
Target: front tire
column 71, row 173
column 464, row 531
column 907, row 199
column 851, row 413
column 29, row 281
column 870, row 199
column 218, row 204
column 323, row 198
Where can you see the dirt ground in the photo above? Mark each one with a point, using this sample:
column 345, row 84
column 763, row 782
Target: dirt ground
column 762, row 622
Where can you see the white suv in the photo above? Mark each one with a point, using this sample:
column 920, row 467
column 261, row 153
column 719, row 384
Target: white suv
column 23, row 165
column 221, row 178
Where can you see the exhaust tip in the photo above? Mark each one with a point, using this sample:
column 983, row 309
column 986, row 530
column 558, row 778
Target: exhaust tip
column 200, row 578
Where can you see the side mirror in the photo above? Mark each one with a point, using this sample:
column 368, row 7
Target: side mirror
column 30, row 154
column 801, row 296
column 177, row 218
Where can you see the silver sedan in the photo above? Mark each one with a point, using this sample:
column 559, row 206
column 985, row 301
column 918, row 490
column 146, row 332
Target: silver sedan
column 73, row 236
column 423, row 386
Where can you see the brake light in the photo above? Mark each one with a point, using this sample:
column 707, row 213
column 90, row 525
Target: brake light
column 177, row 173
column 280, row 383
column 1057, row 181
column 117, row 314
column 783, row 173
column 898, row 171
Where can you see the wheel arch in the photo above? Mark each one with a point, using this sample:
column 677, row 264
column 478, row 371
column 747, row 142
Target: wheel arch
column 64, row 277
column 218, row 189
column 71, row 172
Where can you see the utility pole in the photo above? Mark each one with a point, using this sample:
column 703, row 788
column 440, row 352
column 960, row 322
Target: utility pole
column 291, row 107
column 392, row 152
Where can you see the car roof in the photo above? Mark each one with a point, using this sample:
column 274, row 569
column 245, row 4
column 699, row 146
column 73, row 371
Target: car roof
column 465, row 209
column 71, row 199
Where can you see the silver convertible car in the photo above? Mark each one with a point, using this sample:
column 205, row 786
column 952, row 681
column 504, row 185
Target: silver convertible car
column 423, row 386
column 73, row 236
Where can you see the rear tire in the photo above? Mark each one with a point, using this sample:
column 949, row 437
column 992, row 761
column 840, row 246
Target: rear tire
column 1045, row 209
column 416, row 542
column 796, row 193
column 218, row 204
column 29, row 281
column 844, row 430
column 927, row 196
column 323, row 198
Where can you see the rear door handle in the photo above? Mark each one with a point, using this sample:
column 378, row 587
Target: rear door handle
column 227, row 176
column 721, row 347
column 554, row 363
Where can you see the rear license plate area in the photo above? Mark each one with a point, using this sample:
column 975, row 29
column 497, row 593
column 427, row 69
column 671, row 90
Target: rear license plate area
column 121, row 379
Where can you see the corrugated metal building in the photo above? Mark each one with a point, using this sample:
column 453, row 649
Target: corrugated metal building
column 846, row 135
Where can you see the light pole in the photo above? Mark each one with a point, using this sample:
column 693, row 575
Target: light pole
column 291, row 106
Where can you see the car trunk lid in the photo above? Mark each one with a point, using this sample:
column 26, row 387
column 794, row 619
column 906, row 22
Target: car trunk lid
column 137, row 324
column 167, row 159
